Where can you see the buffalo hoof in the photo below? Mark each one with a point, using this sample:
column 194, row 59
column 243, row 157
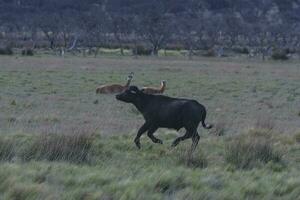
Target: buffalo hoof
column 138, row 144
column 174, row 144
column 159, row 142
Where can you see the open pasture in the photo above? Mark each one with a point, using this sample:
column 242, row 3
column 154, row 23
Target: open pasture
column 52, row 94
column 46, row 100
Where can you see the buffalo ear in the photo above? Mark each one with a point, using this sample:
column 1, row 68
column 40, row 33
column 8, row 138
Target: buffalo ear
column 139, row 90
column 134, row 88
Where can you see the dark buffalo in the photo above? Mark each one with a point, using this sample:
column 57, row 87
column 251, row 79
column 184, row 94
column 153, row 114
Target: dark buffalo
column 165, row 112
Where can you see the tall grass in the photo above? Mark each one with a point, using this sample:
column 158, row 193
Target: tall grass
column 264, row 122
column 7, row 150
column 116, row 169
column 196, row 159
column 219, row 128
column 251, row 150
column 75, row 148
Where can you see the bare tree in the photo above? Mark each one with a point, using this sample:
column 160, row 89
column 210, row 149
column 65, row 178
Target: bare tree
column 121, row 29
column 50, row 27
column 155, row 26
column 189, row 27
column 95, row 25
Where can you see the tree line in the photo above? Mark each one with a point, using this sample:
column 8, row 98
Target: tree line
column 150, row 25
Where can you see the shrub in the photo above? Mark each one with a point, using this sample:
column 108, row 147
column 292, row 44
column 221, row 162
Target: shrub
column 241, row 50
column 7, row 150
column 209, row 53
column 248, row 152
column 76, row 148
column 290, row 50
column 141, row 50
column 27, row 52
column 13, row 103
column 175, row 47
column 6, row 51
column 280, row 55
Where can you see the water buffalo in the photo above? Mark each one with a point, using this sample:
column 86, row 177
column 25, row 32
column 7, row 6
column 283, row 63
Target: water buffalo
column 166, row 112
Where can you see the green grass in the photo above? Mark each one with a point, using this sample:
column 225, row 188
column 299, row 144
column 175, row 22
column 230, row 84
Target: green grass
column 38, row 93
column 57, row 143
column 254, row 149
column 117, row 169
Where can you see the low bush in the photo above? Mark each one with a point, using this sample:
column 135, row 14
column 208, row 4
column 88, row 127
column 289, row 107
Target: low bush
column 175, row 47
column 291, row 50
column 209, row 53
column 241, row 50
column 6, row 51
column 142, row 51
column 252, row 150
column 280, row 55
column 27, row 52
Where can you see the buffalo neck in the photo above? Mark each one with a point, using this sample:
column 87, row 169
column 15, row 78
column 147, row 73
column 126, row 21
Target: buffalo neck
column 142, row 102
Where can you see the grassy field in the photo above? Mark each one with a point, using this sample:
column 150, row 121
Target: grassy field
column 59, row 140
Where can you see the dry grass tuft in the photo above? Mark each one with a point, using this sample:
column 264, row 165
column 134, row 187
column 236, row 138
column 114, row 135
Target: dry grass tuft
column 264, row 123
column 7, row 150
column 194, row 160
column 251, row 150
column 219, row 128
column 76, row 148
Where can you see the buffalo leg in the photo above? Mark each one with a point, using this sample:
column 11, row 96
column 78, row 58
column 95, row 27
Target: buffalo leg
column 179, row 139
column 195, row 140
column 152, row 137
column 142, row 130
